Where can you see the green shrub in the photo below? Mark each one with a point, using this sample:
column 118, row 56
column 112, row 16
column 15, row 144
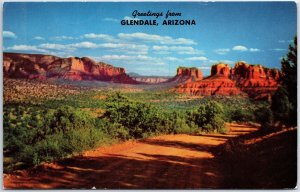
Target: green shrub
column 138, row 118
column 264, row 116
column 66, row 118
column 50, row 134
column 241, row 115
column 209, row 117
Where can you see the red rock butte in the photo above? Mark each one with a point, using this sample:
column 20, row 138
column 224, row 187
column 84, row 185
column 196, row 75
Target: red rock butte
column 243, row 79
column 186, row 74
column 38, row 66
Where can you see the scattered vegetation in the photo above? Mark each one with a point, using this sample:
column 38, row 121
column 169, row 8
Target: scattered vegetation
column 36, row 132
column 40, row 127
column 209, row 116
column 284, row 101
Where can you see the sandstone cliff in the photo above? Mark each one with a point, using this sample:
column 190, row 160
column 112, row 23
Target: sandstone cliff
column 255, row 81
column 186, row 74
column 39, row 66
column 220, row 69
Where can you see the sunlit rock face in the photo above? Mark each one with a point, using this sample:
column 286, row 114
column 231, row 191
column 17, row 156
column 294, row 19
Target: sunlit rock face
column 187, row 74
column 37, row 66
column 244, row 79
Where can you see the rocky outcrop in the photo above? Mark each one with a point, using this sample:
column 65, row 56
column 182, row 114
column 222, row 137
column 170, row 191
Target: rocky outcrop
column 255, row 81
column 211, row 86
column 220, row 70
column 186, row 74
column 37, row 66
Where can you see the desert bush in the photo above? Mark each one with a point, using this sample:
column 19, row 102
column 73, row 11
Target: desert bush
column 264, row 116
column 178, row 124
column 240, row 115
column 209, row 117
column 65, row 119
column 47, row 135
column 138, row 118
column 143, row 119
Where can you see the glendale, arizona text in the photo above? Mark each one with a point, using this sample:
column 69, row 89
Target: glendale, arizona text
column 169, row 14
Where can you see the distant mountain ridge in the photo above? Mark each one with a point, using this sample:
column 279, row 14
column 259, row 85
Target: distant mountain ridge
column 245, row 79
column 38, row 66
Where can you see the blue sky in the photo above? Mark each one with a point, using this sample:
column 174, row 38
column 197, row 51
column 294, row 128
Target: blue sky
column 255, row 32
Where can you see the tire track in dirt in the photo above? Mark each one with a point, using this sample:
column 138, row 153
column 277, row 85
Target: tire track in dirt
column 163, row 162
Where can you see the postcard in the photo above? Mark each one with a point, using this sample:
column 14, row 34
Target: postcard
column 150, row 95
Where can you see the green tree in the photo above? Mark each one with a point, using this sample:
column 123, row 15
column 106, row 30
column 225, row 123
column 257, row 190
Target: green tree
column 284, row 101
column 209, row 116
column 264, row 116
column 281, row 106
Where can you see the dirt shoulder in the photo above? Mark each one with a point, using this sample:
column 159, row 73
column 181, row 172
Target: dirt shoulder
column 164, row 162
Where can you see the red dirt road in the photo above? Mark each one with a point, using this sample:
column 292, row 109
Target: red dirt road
column 164, row 162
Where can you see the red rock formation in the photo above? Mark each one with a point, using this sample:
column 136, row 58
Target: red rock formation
column 214, row 85
column 185, row 74
column 220, row 69
column 254, row 80
column 46, row 66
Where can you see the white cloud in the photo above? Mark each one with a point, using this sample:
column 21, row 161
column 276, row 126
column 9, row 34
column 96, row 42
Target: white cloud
column 196, row 59
column 156, row 39
column 113, row 45
column 254, row 50
column 125, row 57
column 128, row 48
column 116, row 47
column 68, row 47
column 130, row 59
column 111, row 19
column 39, row 38
column 162, row 52
column 54, row 46
column 85, row 45
column 26, row 48
column 98, row 36
column 172, row 59
column 285, row 41
column 278, row 49
column 240, row 48
column 243, row 48
column 114, row 57
column 9, row 35
column 63, row 37
column 222, row 51
column 178, row 49
column 130, row 18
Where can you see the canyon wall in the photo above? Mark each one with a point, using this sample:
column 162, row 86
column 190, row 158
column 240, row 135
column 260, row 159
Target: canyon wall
column 37, row 66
